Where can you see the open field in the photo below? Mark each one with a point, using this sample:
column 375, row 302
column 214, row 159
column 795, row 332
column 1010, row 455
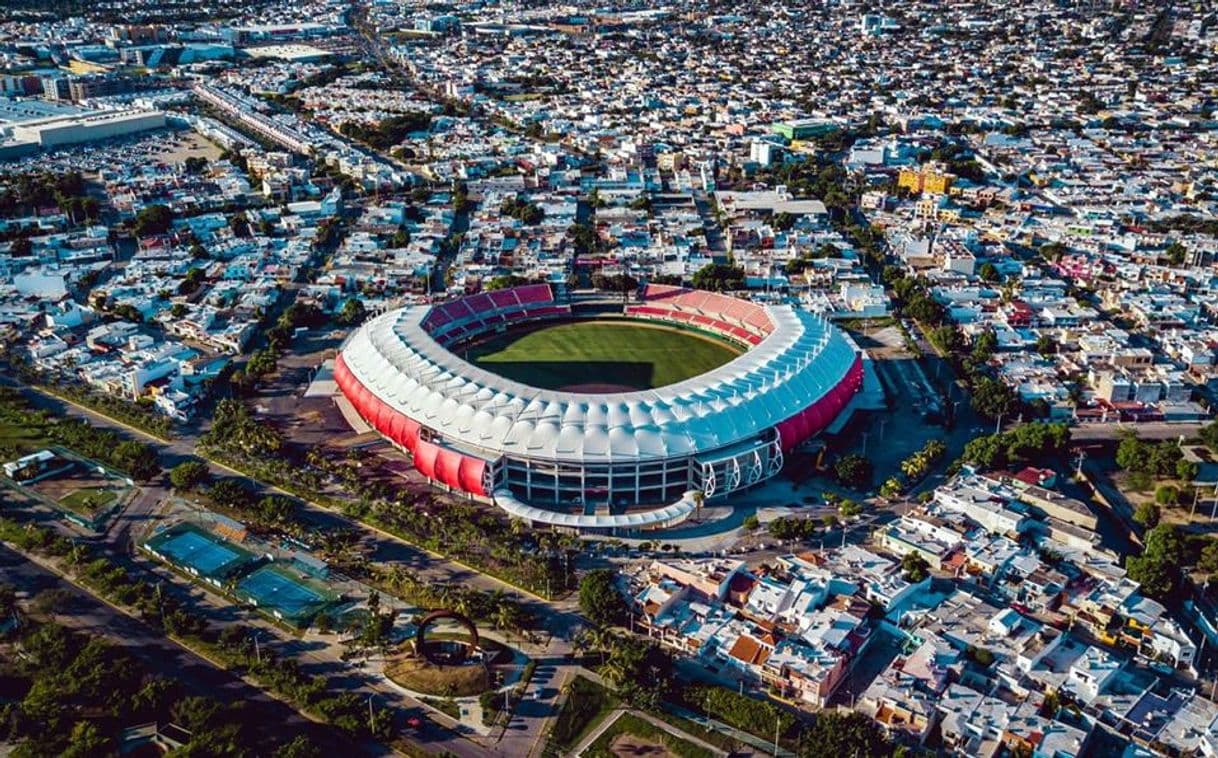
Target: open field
column 89, row 500
column 630, row 735
column 601, row 356
column 18, row 439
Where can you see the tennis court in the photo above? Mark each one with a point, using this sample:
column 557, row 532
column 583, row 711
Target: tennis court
column 274, row 591
column 196, row 550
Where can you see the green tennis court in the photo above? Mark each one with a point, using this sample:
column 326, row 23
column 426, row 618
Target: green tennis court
column 275, row 591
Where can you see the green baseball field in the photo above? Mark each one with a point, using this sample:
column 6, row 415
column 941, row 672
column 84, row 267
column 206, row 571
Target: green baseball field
column 600, row 356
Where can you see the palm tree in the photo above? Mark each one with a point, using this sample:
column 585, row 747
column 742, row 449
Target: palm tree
column 699, row 498
column 507, row 618
column 581, row 644
column 603, row 640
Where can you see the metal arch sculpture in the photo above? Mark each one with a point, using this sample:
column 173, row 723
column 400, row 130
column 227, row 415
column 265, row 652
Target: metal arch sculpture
column 420, row 641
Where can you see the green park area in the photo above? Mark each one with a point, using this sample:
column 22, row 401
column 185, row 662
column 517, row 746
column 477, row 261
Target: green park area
column 87, row 501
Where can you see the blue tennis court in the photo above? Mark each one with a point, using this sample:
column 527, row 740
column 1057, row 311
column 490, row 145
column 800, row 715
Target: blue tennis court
column 190, row 548
column 273, row 590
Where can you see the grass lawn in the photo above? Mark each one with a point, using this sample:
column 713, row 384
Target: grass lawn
column 420, row 675
column 17, row 439
column 447, row 707
column 586, row 704
column 641, row 733
column 596, row 356
column 89, row 500
column 709, row 736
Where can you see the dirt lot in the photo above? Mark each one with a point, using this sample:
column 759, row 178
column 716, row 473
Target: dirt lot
column 177, row 146
column 78, row 477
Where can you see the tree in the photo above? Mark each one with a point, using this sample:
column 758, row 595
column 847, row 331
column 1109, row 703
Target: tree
column 1158, row 568
column 239, row 224
column 891, row 488
column 503, row 282
column 1129, row 453
column 137, row 459
column 299, row 747
column 87, row 740
column 599, row 598
column 751, row 522
column 915, row 567
column 853, row 470
column 989, row 273
column 849, row 509
column 1187, row 471
column 195, row 713
column 352, row 314
column 229, row 493
column 1053, row 251
column 1166, row 495
column 188, row 475
column 1176, row 253
column 1147, row 514
column 719, row 277
column 8, row 600
column 992, row 398
column 834, row 733
column 154, row 219
column 1046, row 345
column 984, row 346
column 947, row 339
column 1208, row 561
column 1209, row 435
column 195, row 164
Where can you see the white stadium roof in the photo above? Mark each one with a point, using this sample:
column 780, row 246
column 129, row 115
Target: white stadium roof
column 395, row 358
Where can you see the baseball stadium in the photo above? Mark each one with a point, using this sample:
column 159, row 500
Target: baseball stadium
column 624, row 419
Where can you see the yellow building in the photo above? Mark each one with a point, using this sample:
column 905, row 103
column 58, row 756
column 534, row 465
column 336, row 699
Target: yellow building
column 926, row 179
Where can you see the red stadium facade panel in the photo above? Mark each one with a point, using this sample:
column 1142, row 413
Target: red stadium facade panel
column 454, row 469
column 816, row 417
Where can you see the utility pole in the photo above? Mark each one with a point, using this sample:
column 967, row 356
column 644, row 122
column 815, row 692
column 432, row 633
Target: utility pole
column 777, row 723
column 998, row 426
column 371, row 716
column 257, row 648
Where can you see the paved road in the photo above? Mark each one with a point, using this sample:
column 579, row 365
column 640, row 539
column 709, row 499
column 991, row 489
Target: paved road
column 560, row 620
column 162, row 656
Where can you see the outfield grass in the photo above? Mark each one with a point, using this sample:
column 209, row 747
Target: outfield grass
column 599, row 356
